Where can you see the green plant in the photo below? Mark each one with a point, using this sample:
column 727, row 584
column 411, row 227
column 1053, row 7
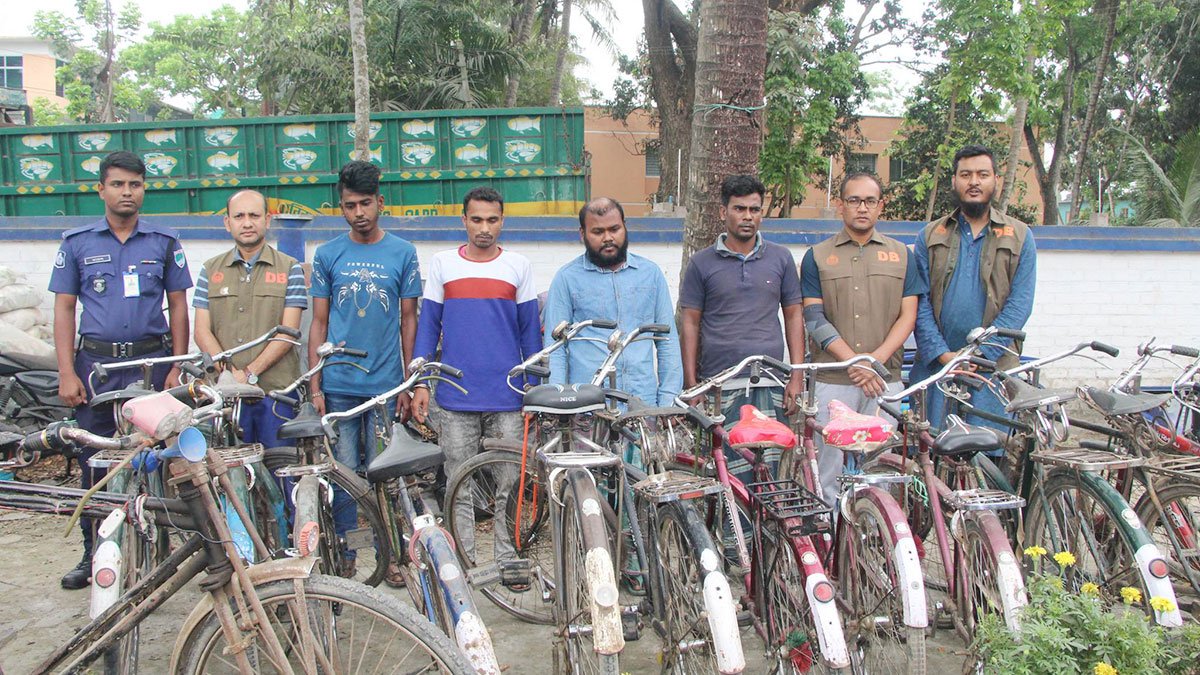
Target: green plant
column 1064, row 631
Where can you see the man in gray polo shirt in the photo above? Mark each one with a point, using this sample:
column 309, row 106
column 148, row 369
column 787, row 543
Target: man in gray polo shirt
column 731, row 296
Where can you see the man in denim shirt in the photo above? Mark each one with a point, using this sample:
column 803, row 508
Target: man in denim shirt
column 981, row 268
column 608, row 282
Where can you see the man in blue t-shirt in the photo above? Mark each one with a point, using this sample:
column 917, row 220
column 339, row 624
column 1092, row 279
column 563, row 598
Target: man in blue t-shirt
column 365, row 286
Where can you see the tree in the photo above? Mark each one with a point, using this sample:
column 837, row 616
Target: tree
column 731, row 60
column 1168, row 198
column 1107, row 9
column 362, row 86
column 671, row 39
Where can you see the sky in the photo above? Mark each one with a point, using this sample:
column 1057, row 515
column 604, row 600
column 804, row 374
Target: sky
column 600, row 70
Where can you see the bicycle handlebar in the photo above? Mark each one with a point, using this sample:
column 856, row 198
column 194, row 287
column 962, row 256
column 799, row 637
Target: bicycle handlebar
column 419, row 369
column 102, row 370
column 757, row 359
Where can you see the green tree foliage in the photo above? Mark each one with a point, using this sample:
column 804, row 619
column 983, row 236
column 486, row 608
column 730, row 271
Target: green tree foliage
column 1171, row 197
column 813, row 86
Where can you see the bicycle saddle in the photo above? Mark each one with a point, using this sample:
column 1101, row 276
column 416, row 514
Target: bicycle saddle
column 404, row 456
column 964, row 440
column 558, row 399
column 307, row 424
column 853, row 431
column 1120, row 403
column 237, row 390
column 1025, row 396
column 757, row 430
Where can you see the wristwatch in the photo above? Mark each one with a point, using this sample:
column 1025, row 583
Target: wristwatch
column 251, row 378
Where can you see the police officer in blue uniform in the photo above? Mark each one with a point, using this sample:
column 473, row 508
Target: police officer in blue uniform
column 119, row 266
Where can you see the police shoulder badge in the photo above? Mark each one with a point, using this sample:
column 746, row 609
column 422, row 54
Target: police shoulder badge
column 60, row 260
column 179, row 258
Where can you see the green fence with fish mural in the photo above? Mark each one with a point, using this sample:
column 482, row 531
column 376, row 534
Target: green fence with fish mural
column 430, row 159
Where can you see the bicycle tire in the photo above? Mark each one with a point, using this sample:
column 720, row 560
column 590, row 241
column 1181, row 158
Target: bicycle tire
column 477, row 548
column 1182, row 500
column 1084, row 525
column 370, row 566
column 869, row 579
column 331, row 602
column 990, row 571
column 685, row 554
column 586, row 550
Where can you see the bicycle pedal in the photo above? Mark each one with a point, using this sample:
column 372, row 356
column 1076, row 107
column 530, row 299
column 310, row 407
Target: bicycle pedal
column 631, row 623
column 744, row 619
column 359, row 539
column 515, row 574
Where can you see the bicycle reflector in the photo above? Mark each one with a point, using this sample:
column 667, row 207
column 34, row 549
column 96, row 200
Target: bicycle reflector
column 1158, row 567
column 105, row 577
column 823, row 591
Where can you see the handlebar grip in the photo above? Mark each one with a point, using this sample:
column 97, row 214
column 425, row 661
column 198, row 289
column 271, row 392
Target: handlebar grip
column 46, row 440
column 1190, row 352
column 284, row 398
column 100, row 371
column 603, row 323
column 192, row 369
column 776, row 363
column 288, row 331
column 1105, row 348
column 1010, row 333
column 706, row 423
column 890, row 409
column 986, row 364
column 658, row 328
column 881, row 370
column 968, row 382
column 755, row 372
column 617, row 395
column 354, row 352
column 206, row 361
column 451, row 371
column 537, row 371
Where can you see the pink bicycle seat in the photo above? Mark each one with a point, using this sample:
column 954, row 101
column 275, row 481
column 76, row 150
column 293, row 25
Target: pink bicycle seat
column 757, row 430
column 853, row 431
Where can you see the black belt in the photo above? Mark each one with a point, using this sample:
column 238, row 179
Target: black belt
column 125, row 350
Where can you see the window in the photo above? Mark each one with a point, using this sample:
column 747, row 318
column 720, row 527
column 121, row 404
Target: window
column 58, row 85
column 652, row 169
column 897, row 170
column 861, row 163
column 11, row 72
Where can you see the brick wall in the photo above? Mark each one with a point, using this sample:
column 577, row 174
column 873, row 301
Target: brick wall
column 1119, row 297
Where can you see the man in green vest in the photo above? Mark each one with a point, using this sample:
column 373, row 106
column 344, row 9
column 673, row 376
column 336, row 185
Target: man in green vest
column 244, row 293
column 981, row 268
column 860, row 297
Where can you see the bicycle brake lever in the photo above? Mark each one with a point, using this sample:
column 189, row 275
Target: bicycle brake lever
column 448, row 381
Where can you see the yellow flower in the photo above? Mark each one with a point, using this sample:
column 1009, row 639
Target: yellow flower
column 1131, row 595
column 1103, row 668
column 1162, row 604
column 1055, row 582
column 1066, row 558
column 1035, row 552
column 1090, row 588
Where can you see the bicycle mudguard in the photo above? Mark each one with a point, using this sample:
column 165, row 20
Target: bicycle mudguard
column 904, row 551
column 718, row 596
column 1145, row 551
column 262, row 573
column 1008, row 571
column 826, row 617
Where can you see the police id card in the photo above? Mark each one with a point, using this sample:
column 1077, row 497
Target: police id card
column 132, row 289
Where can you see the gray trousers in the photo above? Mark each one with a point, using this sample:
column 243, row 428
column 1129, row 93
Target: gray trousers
column 461, row 437
column 830, row 461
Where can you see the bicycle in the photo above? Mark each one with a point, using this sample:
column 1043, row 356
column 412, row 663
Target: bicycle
column 249, row 613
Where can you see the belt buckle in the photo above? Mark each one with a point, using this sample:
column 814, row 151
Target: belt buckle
column 122, row 349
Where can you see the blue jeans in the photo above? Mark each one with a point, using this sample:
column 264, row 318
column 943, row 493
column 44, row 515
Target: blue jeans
column 260, row 422
column 356, row 447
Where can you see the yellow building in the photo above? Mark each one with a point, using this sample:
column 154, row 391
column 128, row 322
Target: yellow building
column 27, row 67
column 624, row 170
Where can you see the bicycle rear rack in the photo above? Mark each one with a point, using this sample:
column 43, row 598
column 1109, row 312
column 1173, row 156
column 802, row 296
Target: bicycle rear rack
column 983, row 500
column 783, row 500
column 241, row 455
column 304, row 470
column 670, row 486
column 1085, row 459
column 1179, row 466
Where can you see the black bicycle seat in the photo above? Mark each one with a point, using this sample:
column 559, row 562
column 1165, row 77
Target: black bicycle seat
column 238, row 390
column 307, row 424
column 558, row 399
column 133, row 391
column 1025, row 396
column 961, row 441
column 404, row 456
column 1120, row 403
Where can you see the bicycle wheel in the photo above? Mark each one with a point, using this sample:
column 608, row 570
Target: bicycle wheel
column 989, row 581
column 871, row 585
column 588, row 580
column 1176, row 531
column 486, row 487
column 1068, row 513
column 684, row 556
column 369, row 537
column 352, row 627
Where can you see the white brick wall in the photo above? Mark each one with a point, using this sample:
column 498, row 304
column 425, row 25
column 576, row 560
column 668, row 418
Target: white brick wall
column 1122, row 298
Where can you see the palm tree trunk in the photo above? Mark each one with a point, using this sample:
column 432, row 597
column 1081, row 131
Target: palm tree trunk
column 560, row 64
column 937, row 167
column 521, row 36
column 1020, row 110
column 362, row 85
column 1089, row 119
column 731, row 60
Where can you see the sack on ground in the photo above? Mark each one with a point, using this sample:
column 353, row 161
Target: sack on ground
column 19, row 296
column 23, row 319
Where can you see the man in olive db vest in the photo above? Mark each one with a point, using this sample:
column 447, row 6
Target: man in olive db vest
column 981, row 268
column 860, row 297
column 242, row 294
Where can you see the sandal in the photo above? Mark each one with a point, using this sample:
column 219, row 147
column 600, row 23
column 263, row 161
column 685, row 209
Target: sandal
column 393, row 577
